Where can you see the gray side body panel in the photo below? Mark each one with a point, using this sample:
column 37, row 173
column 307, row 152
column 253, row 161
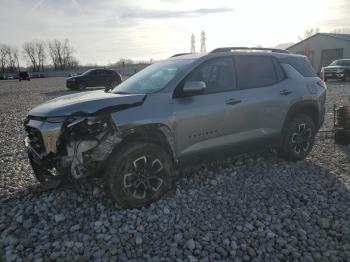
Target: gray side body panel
column 204, row 122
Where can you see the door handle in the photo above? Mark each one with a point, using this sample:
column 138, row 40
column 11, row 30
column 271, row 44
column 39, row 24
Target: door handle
column 233, row 101
column 285, row 92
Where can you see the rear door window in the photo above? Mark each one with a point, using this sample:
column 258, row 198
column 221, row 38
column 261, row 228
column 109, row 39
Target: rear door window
column 257, row 71
column 218, row 75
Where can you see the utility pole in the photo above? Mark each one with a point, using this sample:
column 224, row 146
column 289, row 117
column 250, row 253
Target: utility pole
column 203, row 48
column 193, row 44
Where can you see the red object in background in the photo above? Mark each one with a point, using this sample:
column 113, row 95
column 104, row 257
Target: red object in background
column 307, row 51
column 322, row 74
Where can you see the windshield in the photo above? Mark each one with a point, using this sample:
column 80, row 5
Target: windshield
column 153, row 78
column 340, row 63
column 87, row 72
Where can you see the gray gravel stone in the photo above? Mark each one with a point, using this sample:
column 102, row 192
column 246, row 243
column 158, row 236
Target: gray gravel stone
column 138, row 240
column 190, row 244
column 59, row 218
column 324, row 223
column 178, row 237
column 74, row 228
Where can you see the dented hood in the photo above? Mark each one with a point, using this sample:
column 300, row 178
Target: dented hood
column 86, row 103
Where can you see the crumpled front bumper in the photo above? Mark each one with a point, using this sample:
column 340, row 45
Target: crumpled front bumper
column 56, row 145
column 43, row 135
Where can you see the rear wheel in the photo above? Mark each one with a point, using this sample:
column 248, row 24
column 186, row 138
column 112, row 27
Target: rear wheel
column 298, row 138
column 139, row 174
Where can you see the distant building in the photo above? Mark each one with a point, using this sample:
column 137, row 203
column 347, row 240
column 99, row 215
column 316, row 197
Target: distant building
column 323, row 48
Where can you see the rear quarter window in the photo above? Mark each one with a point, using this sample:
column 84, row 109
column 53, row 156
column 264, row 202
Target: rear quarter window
column 257, row 71
column 301, row 64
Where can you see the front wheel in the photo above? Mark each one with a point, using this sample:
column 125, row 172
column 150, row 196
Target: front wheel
column 111, row 85
column 298, row 138
column 139, row 174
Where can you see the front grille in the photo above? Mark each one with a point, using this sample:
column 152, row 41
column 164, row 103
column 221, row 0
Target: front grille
column 35, row 139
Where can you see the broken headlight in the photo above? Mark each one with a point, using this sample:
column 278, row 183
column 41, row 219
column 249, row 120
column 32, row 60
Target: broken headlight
column 87, row 127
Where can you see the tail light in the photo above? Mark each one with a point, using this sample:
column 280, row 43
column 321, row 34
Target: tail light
column 322, row 74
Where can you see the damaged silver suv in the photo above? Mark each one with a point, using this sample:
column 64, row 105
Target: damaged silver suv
column 135, row 135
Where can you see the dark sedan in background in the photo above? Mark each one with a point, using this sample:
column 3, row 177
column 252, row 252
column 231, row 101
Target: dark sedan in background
column 93, row 78
column 23, row 76
column 338, row 69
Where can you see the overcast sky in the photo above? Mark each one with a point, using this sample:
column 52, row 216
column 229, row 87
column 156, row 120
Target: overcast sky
column 103, row 31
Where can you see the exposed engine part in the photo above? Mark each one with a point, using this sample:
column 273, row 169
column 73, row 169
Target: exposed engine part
column 105, row 147
column 76, row 150
column 80, row 152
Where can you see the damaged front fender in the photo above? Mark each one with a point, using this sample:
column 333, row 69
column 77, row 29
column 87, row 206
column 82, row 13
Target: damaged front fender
column 89, row 141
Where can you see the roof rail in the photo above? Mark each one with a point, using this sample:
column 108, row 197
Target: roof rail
column 230, row 49
column 180, row 54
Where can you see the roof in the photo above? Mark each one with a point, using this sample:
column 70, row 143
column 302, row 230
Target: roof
column 345, row 37
column 187, row 56
column 340, row 36
column 195, row 56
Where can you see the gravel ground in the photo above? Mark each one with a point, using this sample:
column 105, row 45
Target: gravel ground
column 254, row 207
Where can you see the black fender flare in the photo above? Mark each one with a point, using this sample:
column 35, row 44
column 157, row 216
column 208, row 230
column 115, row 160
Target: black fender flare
column 307, row 107
column 157, row 133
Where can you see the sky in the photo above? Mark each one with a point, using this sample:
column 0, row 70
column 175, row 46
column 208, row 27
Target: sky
column 103, row 31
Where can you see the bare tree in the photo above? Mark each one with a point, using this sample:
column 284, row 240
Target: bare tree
column 35, row 53
column 16, row 57
column 29, row 52
column 12, row 59
column 61, row 54
column 308, row 33
column 40, row 54
column 3, row 57
column 54, row 47
column 67, row 53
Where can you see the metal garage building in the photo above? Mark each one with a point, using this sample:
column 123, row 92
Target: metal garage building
column 323, row 48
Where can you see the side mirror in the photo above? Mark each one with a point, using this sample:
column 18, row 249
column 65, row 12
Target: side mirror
column 193, row 88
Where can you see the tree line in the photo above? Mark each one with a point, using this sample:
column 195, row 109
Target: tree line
column 58, row 53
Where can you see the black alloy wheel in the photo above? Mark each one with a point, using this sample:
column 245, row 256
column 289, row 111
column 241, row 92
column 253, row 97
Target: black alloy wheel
column 139, row 174
column 298, row 139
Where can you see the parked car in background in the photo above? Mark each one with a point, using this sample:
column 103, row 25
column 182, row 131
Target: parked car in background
column 37, row 75
column 338, row 69
column 73, row 74
column 186, row 106
column 93, row 78
column 22, row 75
column 2, row 77
column 10, row 77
